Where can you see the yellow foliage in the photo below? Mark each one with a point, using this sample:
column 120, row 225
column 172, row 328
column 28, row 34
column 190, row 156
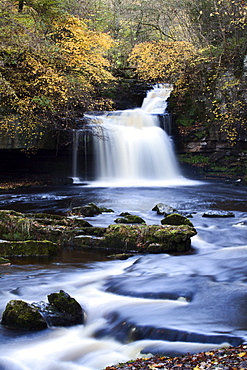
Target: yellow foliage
column 162, row 60
column 83, row 51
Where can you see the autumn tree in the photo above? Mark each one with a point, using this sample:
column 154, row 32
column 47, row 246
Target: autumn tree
column 48, row 69
column 161, row 61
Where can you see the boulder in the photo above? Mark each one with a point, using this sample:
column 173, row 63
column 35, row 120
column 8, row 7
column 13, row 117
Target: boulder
column 63, row 310
column 148, row 239
column 89, row 210
column 163, row 209
column 129, row 219
column 106, row 210
column 22, row 316
column 176, row 219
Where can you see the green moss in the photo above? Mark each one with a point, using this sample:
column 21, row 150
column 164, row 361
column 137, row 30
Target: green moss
column 28, row 248
column 194, row 158
column 176, row 219
column 22, row 316
column 148, row 238
column 130, row 219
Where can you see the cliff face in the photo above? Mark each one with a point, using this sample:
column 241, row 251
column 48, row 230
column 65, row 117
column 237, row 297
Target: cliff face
column 211, row 121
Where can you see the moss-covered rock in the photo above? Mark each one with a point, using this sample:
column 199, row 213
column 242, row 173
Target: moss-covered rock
column 22, row 316
column 176, row 219
column 89, row 210
column 16, row 226
column 64, row 310
column 129, row 219
column 152, row 238
column 106, row 210
column 28, row 248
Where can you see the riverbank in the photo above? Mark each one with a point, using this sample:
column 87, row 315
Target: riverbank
column 230, row 358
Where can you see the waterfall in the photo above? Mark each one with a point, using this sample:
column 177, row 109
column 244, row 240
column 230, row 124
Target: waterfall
column 130, row 147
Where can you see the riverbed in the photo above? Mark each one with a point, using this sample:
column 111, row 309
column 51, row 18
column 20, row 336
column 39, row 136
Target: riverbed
column 146, row 304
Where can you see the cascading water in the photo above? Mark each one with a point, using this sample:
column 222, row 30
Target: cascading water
column 131, row 148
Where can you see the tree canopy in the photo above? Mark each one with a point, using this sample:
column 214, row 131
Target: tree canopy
column 60, row 58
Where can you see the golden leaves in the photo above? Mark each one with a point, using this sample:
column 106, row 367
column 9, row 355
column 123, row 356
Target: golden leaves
column 161, row 61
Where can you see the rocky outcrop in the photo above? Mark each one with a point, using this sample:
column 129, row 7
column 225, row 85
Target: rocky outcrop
column 28, row 248
column 144, row 238
column 36, row 234
column 43, row 234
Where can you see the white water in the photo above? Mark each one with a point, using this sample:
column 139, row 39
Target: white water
column 214, row 278
column 131, row 149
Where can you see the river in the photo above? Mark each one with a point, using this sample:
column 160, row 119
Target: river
column 169, row 304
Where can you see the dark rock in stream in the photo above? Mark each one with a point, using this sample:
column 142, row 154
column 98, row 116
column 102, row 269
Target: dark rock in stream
column 163, row 209
column 62, row 310
column 176, row 219
column 89, row 210
column 129, row 219
column 43, row 234
column 22, row 316
column 148, row 238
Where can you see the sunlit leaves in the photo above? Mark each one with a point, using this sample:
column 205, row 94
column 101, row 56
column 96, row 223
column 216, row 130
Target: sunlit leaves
column 162, row 60
column 50, row 64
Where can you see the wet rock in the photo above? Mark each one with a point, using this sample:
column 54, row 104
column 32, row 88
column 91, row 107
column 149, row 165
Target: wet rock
column 106, row 210
column 87, row 241
column 176, row 219
column 129, row 219
column 22, row 316
column 151, row 239
column 27, row 248
column 218, row 214
column 31, row 230
column 163, row 209
column 63, row 310
column 89, row 210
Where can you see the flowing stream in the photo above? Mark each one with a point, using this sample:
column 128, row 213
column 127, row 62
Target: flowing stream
column 163, row 303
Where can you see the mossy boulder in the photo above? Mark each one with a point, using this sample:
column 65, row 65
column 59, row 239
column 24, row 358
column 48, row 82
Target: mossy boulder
column 28, row 248
column 106, row 210
column 176, row 219
column 129, row 219
column 63, row 310
column 89, row 210
column 151, row 239
column 22, row 316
